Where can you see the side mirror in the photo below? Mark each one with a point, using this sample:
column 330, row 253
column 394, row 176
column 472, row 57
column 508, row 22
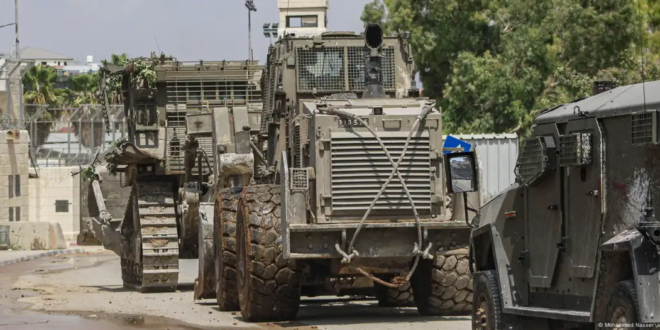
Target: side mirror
column 461, row 172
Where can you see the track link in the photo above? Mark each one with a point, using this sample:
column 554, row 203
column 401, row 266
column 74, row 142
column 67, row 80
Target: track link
column 158, row 271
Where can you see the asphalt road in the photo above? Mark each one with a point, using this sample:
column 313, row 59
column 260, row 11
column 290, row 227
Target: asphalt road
column 86, row 292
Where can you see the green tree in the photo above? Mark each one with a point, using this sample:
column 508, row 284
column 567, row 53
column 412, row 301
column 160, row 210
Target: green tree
column 375, row 13
column 39, row 84
column 85, row 87
column 493, row 64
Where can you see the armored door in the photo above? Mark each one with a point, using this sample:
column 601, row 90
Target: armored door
column 538, row 168
column 580, row 158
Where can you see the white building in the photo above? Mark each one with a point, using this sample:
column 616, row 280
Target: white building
column 45, row 57
column 302, row 17
column 88, row 67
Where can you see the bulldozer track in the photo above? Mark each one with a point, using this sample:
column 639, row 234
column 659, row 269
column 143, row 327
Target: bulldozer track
column 158, row 236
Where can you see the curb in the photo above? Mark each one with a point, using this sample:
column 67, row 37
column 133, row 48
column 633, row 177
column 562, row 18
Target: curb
column 41, row 255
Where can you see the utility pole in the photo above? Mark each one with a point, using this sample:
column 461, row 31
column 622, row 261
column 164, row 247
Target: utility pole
column 18, row 55
column 249, row 4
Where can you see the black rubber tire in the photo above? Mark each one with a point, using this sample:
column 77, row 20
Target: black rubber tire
column 225, row 249
column 623, row 302
column 399, row 297
column 443, row 286
column 487, row 311
column 269, row 285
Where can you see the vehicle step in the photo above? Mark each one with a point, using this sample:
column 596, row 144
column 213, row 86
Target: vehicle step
column 559, row 314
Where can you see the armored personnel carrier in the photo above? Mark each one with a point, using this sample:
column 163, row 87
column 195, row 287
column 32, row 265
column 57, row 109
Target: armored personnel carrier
column 573, row 244
column 353, row 191
column 160, row 93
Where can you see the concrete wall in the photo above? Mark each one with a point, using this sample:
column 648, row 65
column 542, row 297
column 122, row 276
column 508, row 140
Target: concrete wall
column 56, row 185
column 35, row 236
column 14, row 168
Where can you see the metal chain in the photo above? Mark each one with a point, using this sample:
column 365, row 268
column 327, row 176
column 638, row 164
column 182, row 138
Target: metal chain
column 104, row 103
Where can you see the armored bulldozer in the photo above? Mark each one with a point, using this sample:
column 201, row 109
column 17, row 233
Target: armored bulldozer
column 161, row 96
column 353, row 198
column 574, row 242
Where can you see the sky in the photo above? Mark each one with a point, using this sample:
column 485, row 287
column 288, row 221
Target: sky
column 189, row 30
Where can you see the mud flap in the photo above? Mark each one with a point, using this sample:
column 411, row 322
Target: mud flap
column 205, row 283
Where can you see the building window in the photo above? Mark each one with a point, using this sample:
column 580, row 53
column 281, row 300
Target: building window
column 18, row 213
column 11, row 214
column 62, row 206
column 17, row 183
column 44, row 63
column 10, row 186
column 302, row 21
column 65, row 63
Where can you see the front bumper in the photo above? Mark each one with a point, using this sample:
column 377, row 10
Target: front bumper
column 375, row 240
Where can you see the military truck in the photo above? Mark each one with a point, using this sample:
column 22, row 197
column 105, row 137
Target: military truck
column 573, row 244
column 354, row 192
column 158, row 226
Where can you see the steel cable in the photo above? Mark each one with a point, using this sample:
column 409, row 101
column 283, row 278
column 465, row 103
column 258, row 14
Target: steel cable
column 347, row 258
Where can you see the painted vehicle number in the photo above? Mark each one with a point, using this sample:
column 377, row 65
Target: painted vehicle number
column 344, row 122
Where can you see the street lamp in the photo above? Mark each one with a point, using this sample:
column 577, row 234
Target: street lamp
column 270, row 31
column 249, row 4
column 6, row 25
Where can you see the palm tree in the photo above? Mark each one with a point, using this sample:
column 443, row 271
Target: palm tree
column 118, row 59
column 39, row 83
column 115, row 95
column 84, row 88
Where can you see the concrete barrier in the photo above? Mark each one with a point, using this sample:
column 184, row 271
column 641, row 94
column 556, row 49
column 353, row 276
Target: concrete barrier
column 26, row 235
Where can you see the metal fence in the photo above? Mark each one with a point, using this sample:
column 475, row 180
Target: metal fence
column 68, row 136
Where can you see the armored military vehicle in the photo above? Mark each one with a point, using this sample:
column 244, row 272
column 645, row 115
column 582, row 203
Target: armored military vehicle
column 354, row 192
column 160, row 93
column 573, row 244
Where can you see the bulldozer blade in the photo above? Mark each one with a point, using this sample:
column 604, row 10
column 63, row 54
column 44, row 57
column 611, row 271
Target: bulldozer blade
column 205, row 282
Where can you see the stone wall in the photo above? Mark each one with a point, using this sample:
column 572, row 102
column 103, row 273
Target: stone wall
column 14, row 173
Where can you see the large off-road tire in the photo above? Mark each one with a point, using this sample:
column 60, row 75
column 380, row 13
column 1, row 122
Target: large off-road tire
column 487, row 311
column 443, row 286
column 390, row 297
column 268, row 284
column 225, row 245
column 622, row 307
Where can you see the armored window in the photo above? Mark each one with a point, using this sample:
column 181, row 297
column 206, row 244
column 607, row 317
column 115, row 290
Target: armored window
column 239, row 91
column 194, row 92
column 147, row 139
column 302, row 21
column 321, row 69
column 533, row 159
column 575, row 149
column 210, row 90
column 62, row 206
column 356, row 62
column 17, row 184
column 644, row 127
column 10, row 186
